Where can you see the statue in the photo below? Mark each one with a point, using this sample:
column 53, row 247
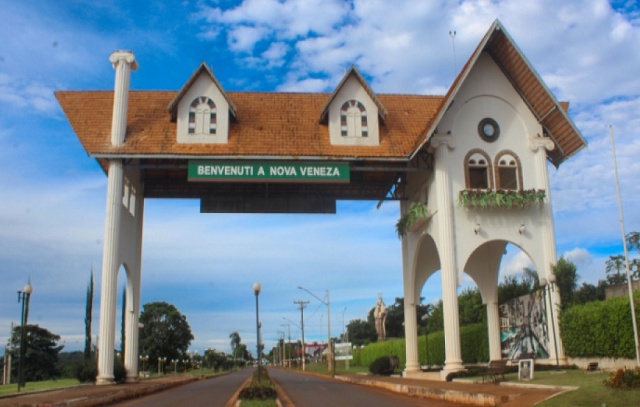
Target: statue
column 380, row 315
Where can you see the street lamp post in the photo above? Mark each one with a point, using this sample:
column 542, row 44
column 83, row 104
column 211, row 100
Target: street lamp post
column 344, row 338
column 331, row 363
column 143, row 359
column 161, row 362
column 256, row 291
column 23, row 295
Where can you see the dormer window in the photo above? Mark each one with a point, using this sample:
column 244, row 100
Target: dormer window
column 353, row 119
column 353, row 113
column 202, row 110
column 478, row 170
column 202, row 116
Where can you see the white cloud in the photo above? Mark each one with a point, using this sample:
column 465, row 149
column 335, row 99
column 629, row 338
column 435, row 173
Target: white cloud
column 514, row 262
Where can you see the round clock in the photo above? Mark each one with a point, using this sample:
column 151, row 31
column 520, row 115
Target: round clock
column 488, row 129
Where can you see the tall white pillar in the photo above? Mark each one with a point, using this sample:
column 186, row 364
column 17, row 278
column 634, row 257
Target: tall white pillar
column 446, row 249
column 493, row 326
column 409, row 247
column 540, row 145
column 110, row 266
column 123, row 62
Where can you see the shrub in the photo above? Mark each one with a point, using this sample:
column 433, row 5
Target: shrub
column 260, row 388
column 599, row 329
column 624, row 379
column 384, row 365
column 87, row 371
column 119, row 372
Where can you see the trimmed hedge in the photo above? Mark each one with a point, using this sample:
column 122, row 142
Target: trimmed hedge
column 474, row 345
column 599, row 329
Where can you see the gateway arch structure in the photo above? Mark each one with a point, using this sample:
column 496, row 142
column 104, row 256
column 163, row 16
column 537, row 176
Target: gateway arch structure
column 493, row 133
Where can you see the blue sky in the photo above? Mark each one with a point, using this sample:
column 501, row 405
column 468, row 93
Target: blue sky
column 52, row 195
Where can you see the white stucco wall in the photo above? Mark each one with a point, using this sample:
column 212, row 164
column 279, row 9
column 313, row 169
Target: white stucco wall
column 486, row 93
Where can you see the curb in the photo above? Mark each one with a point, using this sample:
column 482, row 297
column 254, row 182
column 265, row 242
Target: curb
column 455, row 396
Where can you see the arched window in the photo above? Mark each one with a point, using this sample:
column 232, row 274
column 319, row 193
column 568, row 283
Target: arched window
column 353, row 119
column 508, row 171
column 202, row 116
column 477, row 169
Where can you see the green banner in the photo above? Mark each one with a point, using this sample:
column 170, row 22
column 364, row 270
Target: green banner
column 271, row 171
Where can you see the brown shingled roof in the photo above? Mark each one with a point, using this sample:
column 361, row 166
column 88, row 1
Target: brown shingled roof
column 272, row 125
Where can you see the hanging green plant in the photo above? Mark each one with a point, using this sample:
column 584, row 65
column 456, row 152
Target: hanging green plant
column 506, row 199
column 417, row 211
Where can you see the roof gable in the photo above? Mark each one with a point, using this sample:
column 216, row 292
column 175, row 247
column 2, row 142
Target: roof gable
column 353, row 72
column 550, row 113
column 203, row 68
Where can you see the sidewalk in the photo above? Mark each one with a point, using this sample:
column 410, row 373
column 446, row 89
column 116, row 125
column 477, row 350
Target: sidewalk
column 466, row 392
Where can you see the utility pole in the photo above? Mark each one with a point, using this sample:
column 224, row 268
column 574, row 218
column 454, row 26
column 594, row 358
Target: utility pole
column 302, row 304
column 288, row 348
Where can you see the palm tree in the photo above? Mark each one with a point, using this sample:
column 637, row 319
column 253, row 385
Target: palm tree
column 235, row 342
column 614, row 267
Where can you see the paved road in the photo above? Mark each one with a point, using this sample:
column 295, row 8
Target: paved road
column 213, row 392
column 312, row 391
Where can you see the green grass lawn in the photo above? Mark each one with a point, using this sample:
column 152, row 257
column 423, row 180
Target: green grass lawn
column 36, row 386
column 591, row 392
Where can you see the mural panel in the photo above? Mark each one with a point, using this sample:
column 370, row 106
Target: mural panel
column 524, row 332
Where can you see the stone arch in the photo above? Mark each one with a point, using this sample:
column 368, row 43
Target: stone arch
column 427, row 261
column 483, row 266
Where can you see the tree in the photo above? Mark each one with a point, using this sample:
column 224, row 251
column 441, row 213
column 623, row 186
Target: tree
column 589, row 292
column 216, row 360
column 235, row 342
column 435, row 320
column 566, row 280
column 87, row 320
column 512, row 287
column 470, row 307
column 42, row 351
column 361, row 332
column 165, row 332
column 633, row 241
column 615, row 269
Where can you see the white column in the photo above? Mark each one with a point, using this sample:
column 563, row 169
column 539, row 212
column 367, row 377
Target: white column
column 110, row 266
column 411, row 332
column 539, row 145
column 446, row 248
column 493, row 326
column 123, row 62
column 409, row 247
